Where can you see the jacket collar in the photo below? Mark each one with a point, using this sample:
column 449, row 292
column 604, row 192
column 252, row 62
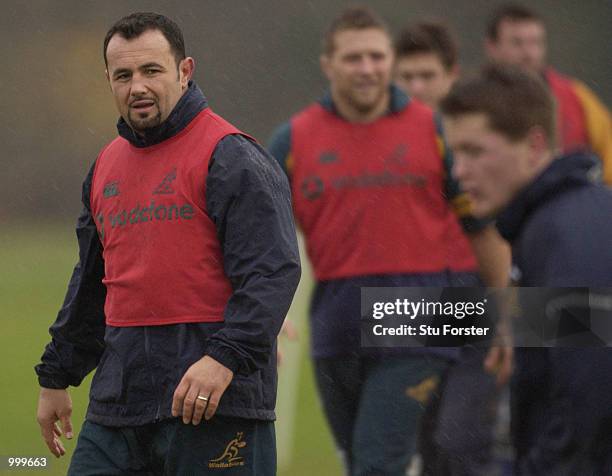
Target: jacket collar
column 564, row 173
column 188, row 107
column 398, row 101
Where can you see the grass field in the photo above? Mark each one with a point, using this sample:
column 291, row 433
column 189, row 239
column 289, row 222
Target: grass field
column 36, row 265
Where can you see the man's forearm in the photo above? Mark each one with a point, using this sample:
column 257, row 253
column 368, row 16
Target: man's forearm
column 78, row 331
column 249, row 199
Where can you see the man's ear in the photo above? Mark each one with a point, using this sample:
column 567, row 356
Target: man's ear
column 186, row 69
column 107, row 76
column 539, row 145
column 455, row 71
column 324, row 62
column 490, row 49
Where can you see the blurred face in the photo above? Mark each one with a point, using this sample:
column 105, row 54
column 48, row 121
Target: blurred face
column 490, row 168
column 424, row 77
column 519, row 43
column 359, row 71
column 144, row 78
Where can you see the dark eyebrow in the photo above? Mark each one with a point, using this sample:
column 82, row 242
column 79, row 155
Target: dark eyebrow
column 119, row 71
column 150, row 65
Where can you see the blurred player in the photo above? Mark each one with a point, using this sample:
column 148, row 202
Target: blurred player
column 457, row 432
column 369, row 184
column 426, row 62
column 516, row 35
column 425, row 68
column 501, row 128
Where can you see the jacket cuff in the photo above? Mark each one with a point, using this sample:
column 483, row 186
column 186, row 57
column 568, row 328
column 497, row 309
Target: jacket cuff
column 50, row 382
column 225, row 355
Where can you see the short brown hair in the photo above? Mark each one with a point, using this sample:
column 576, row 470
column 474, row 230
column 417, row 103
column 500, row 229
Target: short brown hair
column 428, row 37
column 513, row 101
column 352, row 18
column 512, row 12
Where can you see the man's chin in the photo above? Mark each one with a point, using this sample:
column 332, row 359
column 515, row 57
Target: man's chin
column 480, row 209
column 365, row 106
column 533, row 68
column 485, row 211
column 142, row 126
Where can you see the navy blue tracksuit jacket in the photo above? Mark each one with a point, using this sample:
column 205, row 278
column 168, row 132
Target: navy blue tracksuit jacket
column 560, row 227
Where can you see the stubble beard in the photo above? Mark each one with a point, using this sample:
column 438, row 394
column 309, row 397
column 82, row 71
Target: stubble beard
column 143, row 124
column 364, row 107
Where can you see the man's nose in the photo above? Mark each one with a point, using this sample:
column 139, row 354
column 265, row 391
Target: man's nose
column 138, row 86
column 459, row 169
column 416, row 86
column 366, row 66
column 526, row 52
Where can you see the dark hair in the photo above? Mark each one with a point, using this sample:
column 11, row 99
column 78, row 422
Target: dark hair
column 428, row 37
column 135, row 24
column 512, row 12
column 352, row 18
column 514, row 101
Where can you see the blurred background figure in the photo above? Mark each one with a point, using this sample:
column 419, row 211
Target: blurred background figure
column 458, row 426
column 426, row 61
column 516, row 35
column 425, row 69
column 372, row 193
column 501, row 128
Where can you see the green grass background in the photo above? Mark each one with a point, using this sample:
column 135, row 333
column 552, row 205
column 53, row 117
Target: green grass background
column 36, row 262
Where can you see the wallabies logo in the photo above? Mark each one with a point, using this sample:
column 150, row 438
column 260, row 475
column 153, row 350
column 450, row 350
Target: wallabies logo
column 230, row 458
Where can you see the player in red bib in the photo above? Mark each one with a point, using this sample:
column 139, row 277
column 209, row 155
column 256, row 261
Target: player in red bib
column 516, row 35
column 457, row 436
column 188, row 264
column 372, row 194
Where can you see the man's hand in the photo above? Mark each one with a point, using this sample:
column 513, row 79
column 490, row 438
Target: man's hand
column 499, row 362
column 54, row 405
column 206, row 378
column 500, row 357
